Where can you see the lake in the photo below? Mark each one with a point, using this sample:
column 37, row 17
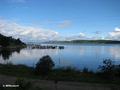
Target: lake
column 75, row 55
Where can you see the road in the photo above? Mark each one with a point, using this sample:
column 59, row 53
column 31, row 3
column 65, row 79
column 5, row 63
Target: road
column 62, row 85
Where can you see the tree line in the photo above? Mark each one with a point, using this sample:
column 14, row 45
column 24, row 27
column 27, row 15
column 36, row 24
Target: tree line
column 9, row 41
column 87, row 41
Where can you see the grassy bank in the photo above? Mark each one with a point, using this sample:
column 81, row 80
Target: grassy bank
column 61, row 74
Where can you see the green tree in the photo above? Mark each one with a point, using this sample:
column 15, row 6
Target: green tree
column 108, row 68
column 23, row 84
column 118, row 70
column 5, row 42
column 44, row 65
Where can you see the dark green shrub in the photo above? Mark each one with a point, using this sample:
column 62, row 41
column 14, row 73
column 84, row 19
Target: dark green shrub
column 108, row 69
column 118, row 70
column 85, row 70
column 2, row 88
column 91, row 72
column 44, row 65
column 23, row 84
column 68, row 69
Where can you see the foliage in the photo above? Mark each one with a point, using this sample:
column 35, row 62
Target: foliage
column 17, row 70
column 108, row 68
column 4, row 41
column 87, row 41
column 85, row 70
column 9, row 63
column 64, row 74
column 67, row 69
column 23, row 85
column 44, row 65
column 118, row 70
column 7, row 41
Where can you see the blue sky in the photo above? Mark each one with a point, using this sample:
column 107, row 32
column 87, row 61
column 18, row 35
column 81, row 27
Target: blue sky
column 44, row 20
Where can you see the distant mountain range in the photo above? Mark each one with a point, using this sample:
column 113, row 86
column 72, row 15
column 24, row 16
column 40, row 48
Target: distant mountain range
column 84, row 41
column 11, row 42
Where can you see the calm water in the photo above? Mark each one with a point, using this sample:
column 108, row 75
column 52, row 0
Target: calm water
column 78, row 55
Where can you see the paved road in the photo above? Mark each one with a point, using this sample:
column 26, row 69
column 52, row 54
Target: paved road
column 61, row 85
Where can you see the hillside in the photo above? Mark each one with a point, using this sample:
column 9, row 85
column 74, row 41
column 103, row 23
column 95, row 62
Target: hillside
column 10, row 42
column 85, row 41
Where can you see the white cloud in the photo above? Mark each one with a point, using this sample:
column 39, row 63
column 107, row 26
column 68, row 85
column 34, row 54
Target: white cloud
column 10, row 28
column 29, row 33
column 65, row 23
column 114, row 35
column 81, row 35
column 72, row 37
column 17, row 1
column 117, row 29
column 102, row 37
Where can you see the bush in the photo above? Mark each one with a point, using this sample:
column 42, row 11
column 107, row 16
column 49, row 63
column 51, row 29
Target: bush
column 118, row 70
column 23, row 84
column 85, row 70
column 108, row 68
column 44, row 65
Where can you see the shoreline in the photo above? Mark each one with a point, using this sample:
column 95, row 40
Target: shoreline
column 60, row 74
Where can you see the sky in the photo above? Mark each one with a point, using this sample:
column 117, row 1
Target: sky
column 52, row 20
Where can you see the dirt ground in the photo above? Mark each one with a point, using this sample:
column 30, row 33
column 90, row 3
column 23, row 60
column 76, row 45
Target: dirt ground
column 61, row 85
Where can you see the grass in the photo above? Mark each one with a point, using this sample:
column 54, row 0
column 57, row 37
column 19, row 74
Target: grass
column 60, row 74
column 17, row 70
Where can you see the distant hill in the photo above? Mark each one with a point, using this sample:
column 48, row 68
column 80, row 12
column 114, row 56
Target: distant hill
column 10, row 42
column 85, row 41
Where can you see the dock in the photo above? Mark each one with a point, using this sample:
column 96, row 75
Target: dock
column 35, row 46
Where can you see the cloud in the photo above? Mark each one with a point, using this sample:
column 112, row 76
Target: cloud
column 17, row 1
column 30, row 33
column 10, row 28
column 117, row 29
column 114, row 35
column 97, row 32
column 65, row 23
column 72, row 37
column 81, row 35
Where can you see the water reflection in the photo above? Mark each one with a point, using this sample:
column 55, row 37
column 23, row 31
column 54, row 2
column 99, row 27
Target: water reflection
column 7, row 53
column 30, row 56
column 36, row 53
column 110, row 51
column 79, row 56
column 115, row 52
column 63, row 62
